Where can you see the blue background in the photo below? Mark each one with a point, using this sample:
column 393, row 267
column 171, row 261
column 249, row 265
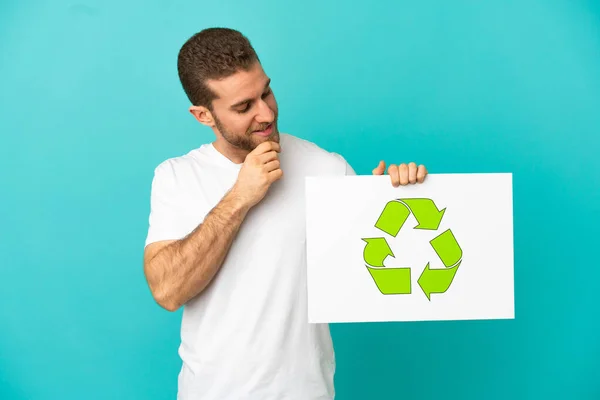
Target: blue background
column 91, row 103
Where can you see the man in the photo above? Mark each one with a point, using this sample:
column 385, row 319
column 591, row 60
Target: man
column 226, row 236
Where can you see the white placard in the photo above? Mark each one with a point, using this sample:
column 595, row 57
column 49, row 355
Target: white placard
column 440, row 250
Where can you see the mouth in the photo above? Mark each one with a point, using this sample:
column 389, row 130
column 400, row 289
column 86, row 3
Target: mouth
column 265, row 132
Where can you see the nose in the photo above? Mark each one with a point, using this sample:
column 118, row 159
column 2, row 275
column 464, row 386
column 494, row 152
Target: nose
column 265, row 113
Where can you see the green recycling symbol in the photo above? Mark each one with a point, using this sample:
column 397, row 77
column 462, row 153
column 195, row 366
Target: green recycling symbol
column 397, row 280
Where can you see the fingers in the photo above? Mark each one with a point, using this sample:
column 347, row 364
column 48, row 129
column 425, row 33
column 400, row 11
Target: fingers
column 274, row 175
column 421, row 173
column 394, row 175
column 273, row 169
column 404, row 174
column 265, row 147
column 412, row 172
column 267, row 157
column 266, row 152
column 403, row 169
column 272, row 165
column 380, row 169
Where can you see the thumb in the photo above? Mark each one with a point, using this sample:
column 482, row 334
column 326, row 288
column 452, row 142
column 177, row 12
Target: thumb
column 380, row 168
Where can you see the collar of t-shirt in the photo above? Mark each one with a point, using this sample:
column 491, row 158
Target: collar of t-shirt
column 221, row 159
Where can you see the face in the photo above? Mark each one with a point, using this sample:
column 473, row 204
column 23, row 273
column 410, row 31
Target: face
column 244, row 113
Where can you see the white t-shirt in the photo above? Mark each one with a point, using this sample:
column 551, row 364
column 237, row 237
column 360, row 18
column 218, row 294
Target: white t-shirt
column 247, row 336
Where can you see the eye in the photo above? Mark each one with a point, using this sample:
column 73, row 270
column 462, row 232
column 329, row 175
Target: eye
column 244, row 110
column 267, row 93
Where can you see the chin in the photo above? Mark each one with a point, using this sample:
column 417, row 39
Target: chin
column 275, row 134
column 273, row 137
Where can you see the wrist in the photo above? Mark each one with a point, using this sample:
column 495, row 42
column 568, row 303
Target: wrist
column 239, row 202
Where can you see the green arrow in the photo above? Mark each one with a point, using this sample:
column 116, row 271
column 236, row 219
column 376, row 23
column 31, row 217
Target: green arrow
column 447, row 248
column 376, row 251
column 426, row 213
column 439, row 280
column 391, row 280
column 392, row 217
column 436, row 280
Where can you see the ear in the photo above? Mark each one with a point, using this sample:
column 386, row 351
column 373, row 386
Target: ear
column 202, row 115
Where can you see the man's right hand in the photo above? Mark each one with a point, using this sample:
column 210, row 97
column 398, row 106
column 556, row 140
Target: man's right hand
column 260, row 169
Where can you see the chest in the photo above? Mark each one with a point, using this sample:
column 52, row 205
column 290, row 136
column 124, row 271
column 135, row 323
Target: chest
column 279, row 218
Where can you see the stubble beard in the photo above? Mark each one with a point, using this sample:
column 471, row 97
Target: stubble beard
column 248, row 141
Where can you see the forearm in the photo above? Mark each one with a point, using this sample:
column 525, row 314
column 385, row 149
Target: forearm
column 181, row 270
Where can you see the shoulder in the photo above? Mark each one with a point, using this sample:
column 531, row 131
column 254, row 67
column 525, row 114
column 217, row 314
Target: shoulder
column 173, row 170
column 301, row 144
column 308, row 148
column 318, row 156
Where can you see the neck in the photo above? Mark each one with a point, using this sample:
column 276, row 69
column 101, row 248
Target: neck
column 235, row 154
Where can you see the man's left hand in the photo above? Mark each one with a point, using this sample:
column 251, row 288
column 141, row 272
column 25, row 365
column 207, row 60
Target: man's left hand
column 403, row 174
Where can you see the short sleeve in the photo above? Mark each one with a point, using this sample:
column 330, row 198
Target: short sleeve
column 349, row 170
column 346, row 167
column 166, row 220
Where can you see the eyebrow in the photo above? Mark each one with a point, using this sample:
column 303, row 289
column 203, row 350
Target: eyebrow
column 239, row 103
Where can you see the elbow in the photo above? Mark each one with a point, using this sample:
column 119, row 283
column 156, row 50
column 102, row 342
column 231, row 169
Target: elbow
column 165, row 299
column 164, row 292
column 172, row 307
column 169, row 305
